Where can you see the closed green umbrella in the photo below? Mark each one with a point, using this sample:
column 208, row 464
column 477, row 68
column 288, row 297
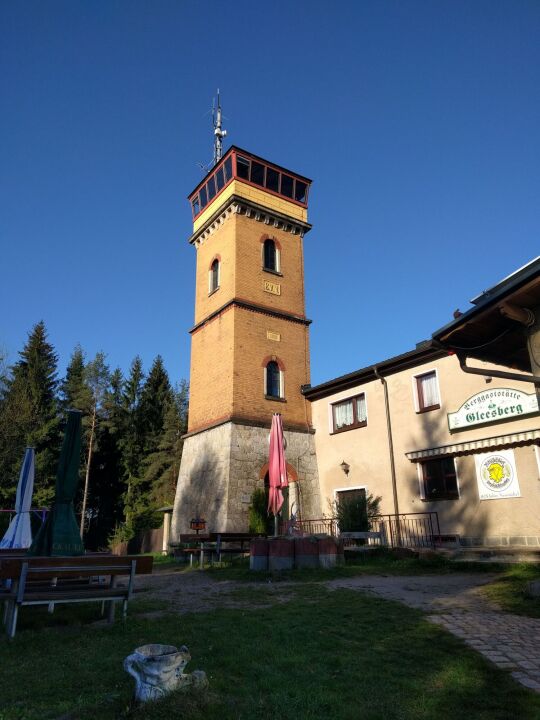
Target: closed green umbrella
column 59, row 535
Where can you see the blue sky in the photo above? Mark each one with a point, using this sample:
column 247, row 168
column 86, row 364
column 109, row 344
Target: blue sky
column 418, row 122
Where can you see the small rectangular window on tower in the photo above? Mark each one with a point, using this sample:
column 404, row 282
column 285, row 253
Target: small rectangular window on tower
column 203, row 197
column 272, row 179
column 220, row 180
column 300, row 191
column 211, row 189
column 196, row 206
column 228, row 169
column 257, row 173
column 287, row 185
column 242, row 167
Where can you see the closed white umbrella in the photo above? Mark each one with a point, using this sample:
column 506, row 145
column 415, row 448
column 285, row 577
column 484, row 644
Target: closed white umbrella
column 19, row 532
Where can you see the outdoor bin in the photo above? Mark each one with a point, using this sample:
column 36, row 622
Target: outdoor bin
column 280, row 553
column 258, row 554
column 306, row 552
column 328, row 552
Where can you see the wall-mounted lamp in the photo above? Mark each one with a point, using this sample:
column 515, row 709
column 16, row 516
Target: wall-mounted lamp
column 345, row 467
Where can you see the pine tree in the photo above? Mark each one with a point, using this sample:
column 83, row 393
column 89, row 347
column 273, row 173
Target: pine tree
column 131, row 443
column 106, row 491
column 74, row 388
column 30, row 417
column 163, row 465
column 156, row 399
column 96, row 378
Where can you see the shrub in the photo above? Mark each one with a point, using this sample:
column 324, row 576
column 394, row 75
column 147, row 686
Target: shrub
column 356, row 514
column 259, row 521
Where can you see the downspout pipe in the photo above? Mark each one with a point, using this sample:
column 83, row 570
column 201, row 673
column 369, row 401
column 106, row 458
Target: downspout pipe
column 390, row 442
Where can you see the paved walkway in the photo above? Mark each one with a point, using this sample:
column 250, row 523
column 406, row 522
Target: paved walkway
column 455, row 602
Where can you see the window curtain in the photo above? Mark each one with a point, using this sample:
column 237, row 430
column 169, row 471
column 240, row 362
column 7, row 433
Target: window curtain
column 361, row 410
column 343, row 414
column 430, row 391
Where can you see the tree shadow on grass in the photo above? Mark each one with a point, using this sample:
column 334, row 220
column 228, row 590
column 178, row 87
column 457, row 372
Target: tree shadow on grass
column 342, row 655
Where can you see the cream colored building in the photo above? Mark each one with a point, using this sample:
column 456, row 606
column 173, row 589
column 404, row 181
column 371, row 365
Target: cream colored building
column 463, row 446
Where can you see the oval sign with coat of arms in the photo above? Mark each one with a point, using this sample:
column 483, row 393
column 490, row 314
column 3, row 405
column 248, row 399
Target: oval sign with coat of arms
column 496, row 475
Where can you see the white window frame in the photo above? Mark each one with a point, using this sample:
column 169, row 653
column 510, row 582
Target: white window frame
column 278, row 256
column 331, row 430
column 281, row 395
column 421, row 486
column 210, row 288
column 414, row 381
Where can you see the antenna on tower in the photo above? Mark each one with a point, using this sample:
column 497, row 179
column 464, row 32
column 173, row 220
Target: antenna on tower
column 219, row 134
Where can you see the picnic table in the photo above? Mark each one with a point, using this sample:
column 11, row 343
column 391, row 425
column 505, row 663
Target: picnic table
column 51, row 580
column 212, row 543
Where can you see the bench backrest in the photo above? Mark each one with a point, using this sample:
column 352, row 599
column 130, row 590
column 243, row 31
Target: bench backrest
column 83, row 566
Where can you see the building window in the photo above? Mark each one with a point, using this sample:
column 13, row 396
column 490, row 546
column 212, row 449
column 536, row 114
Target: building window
column 273, row 380
column 349, row 414
column 213, row 276
column 438, row 479
column 427, row 392
column 270, row 256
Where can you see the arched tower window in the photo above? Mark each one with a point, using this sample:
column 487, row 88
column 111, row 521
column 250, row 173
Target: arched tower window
column 213, row 276
column 273, row 380
column 270, row 255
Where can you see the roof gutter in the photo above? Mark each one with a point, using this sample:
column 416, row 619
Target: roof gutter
column 518, row 377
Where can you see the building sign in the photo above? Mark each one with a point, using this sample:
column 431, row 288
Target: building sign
column 491, row 406
column 496, row 475
column 271, row 287
column 271, row 335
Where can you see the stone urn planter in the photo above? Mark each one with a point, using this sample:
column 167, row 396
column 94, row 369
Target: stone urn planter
column 159, row 670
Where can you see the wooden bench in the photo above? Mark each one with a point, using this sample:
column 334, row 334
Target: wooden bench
column 52, row 580
column 212, row 544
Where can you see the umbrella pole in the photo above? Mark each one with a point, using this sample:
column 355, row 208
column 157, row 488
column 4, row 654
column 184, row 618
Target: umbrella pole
column 275, row 526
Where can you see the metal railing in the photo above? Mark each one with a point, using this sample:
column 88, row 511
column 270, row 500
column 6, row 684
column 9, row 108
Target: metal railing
column 410, row 530
column 318, row 526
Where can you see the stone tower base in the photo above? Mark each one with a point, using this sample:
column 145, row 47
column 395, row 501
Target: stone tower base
column 222, row 466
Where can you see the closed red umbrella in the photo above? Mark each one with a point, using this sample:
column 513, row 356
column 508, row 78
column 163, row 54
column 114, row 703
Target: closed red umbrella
column 277, row 467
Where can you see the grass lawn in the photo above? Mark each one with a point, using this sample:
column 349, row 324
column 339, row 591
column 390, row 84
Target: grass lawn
column 319, row 654
column 510, row 590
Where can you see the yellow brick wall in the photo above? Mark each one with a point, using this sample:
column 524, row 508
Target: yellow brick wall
column 266, row 199
column 221, row 242
column 211, row 375
column 227, row 352
column 250, row 277
column 252, row 347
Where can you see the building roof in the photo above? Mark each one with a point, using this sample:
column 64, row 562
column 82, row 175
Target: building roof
column 424, row 352
column 483, row 332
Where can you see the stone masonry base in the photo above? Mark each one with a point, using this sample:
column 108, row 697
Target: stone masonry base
column 222, row 466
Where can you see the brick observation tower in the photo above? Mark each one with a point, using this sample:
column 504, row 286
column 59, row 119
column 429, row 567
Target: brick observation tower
column 249, row 343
